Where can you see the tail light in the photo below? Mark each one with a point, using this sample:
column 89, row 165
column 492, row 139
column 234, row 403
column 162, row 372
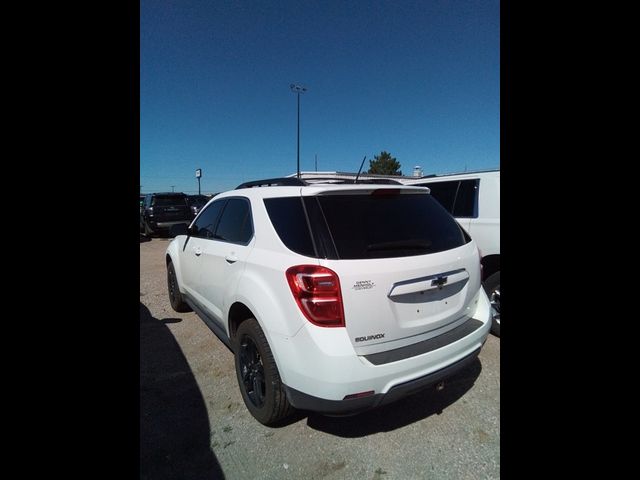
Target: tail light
column 317, row 292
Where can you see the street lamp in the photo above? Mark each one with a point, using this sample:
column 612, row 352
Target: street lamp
column 298, row 89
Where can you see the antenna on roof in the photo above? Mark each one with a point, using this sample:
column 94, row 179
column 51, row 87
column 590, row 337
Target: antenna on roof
column 361, row 165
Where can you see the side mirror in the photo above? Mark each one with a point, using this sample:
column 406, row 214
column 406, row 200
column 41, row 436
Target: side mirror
column 179, row 229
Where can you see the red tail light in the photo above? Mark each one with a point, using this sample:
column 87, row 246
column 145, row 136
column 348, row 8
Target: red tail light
column 317, row 292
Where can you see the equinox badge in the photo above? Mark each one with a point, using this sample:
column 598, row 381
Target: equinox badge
column 370, row 337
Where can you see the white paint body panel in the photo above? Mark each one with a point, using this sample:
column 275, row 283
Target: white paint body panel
column 327, row 362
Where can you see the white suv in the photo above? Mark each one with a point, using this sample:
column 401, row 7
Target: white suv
column 333, row 298
column 474, row 200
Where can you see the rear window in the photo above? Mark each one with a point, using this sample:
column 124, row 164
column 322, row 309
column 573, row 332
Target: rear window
column 364, row 226
column 169, row 200
column 383, row 226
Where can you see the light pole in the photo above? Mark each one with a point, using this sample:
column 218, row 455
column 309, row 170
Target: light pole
column 298, row 89
column 172, row 188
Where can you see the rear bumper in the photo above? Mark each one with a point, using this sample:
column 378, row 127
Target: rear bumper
column 320, row 367
column 303, row 401
column 155, row 225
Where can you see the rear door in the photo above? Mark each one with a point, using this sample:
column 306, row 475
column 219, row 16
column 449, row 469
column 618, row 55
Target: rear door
column 404, row 265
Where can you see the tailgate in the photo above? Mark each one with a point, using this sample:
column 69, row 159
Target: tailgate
column 394, row 299
column 166, row 209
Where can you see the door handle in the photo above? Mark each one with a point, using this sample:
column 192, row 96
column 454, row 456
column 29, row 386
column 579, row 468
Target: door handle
column 197, row 251
column 231, row 258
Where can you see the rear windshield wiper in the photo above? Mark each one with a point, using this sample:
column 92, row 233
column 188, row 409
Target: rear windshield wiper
column 401, row 245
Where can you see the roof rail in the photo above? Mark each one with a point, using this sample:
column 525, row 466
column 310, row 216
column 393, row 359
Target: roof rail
column 274, row 182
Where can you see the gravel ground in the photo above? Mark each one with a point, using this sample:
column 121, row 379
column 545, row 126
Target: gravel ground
column 194, row 424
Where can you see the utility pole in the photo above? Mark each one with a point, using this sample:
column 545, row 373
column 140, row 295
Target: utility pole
column 298, row 89
column 316, row 162
column 172, row 187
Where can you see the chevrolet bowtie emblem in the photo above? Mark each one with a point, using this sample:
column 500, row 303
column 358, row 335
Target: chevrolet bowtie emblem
column 439, row 282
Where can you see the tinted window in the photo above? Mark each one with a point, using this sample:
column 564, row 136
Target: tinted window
column 465, row 203
column 235, row 224
column 168, row 200
column 205, row 224
column 444, row 192
column 396, row 225
column 288, row 218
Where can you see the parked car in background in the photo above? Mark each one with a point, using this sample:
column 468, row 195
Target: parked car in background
column 474, row 200
column 160, row 211
column 196, row 202
column 333, row 298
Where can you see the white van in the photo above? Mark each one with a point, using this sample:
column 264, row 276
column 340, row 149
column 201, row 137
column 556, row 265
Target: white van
column 473, row 198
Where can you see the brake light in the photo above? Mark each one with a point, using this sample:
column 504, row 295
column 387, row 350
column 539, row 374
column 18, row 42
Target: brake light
column 317, row 292
column 386, row 192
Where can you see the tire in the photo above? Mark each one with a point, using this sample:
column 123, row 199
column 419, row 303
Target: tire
column 175, row 297
column 147, row 230
column 258, row 376
column 492, row 287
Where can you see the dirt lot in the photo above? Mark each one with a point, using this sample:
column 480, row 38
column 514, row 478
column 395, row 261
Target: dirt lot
column 194, row 425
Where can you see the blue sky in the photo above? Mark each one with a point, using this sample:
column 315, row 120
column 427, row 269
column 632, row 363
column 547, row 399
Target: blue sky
column 419, row 79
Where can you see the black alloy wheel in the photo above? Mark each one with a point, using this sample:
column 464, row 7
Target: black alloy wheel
column 252, row 371
column 175, row 297
column 258, row 378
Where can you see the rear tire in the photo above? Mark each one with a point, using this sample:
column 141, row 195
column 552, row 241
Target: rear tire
column 147, row 230
column 492, row 287
column 175, row 297
column 258, row 376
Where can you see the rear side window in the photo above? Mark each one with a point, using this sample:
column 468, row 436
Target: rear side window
column 235, row 224
column 288, row 218
column 459, row 197
column 444, row 192
column 466, row 199
column 389, row 225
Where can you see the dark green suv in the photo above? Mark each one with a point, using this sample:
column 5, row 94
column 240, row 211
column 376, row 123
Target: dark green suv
column 160, row 211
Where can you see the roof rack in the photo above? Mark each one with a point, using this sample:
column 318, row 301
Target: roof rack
column 274, row 182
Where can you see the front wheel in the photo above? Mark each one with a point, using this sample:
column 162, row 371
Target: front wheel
column 258, row 376
column 492, row 287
